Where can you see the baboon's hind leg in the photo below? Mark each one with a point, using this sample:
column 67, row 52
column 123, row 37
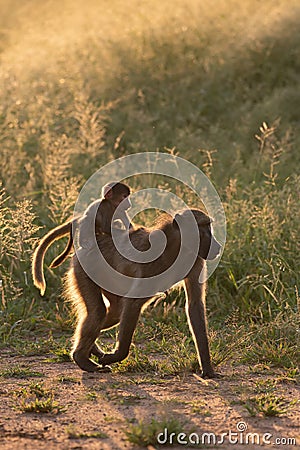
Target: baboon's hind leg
column 129, row 318
column 91, row 315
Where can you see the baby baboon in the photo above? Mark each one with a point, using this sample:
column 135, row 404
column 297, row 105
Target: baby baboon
column 98, row 216
column 87, row 296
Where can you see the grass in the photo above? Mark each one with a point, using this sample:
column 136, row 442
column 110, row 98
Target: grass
column 37, row 399
column 136, row 362
column 200, row 407
column 269, row 405
column 46, row 405
column 265, row 398
column 19, row 372
column 61, row 354
column 198, row 80
column 91, row 396
column 66, row 379
column 145, row 433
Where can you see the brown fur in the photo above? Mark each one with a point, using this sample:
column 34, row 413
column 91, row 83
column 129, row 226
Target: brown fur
column 106, row 208
column 92, row 313
column 38, row 256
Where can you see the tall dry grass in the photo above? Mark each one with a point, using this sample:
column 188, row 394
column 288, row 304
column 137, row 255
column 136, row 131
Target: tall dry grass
column 86, row 82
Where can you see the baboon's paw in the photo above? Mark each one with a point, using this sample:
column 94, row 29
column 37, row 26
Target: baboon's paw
column 85, row 363
column 104, row 369
column 109, row 358
column 210, row 374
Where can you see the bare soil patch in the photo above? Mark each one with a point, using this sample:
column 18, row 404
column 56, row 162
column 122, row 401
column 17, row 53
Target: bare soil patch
column 94, row 410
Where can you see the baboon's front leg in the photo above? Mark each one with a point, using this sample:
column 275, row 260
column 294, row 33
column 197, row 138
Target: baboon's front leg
column 129, row 318
column 195, row 310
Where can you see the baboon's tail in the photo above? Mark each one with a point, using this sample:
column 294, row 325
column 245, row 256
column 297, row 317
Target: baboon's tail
column 38, row 256
column 63, row 256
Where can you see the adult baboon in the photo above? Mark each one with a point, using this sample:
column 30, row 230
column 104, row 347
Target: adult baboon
column 87, row 296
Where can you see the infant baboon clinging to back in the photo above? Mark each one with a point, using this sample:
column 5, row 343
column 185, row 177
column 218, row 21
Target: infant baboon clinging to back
column 87, row 296
column 98, row 217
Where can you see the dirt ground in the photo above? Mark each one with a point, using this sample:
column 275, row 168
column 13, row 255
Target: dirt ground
column 94, row 410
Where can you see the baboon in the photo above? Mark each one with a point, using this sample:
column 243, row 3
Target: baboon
column 100, row 214
column 93, row 314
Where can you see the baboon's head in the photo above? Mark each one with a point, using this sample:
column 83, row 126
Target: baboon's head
column 209, row 247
